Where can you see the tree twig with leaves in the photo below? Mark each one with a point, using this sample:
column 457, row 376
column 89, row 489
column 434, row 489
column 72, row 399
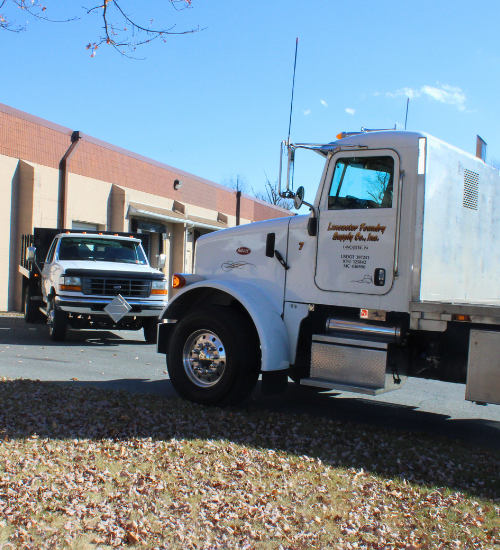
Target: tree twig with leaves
column 120, row 29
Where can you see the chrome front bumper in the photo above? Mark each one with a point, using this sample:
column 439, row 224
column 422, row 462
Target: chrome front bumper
column 95, row 306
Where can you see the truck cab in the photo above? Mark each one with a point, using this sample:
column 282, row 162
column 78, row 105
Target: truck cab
column 365, row 290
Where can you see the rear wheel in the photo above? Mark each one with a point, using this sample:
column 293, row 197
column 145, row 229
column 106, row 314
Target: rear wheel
column 58, row 322
column 31, row 312
column 213, row 357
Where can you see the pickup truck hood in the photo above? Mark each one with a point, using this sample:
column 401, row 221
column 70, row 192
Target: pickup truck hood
column 113, row 268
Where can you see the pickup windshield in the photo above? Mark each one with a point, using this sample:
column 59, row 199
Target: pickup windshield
column 102, row 250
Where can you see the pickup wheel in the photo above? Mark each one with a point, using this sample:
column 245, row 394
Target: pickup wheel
column 58, row 322
column 213, row 357
column 31, row 311
column 150, row 329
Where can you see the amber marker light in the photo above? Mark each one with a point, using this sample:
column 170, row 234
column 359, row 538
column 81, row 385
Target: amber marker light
column 339, row 136
column 178, row 281
column 460, row 317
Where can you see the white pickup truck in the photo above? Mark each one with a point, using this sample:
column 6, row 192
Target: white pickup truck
column 90, row 280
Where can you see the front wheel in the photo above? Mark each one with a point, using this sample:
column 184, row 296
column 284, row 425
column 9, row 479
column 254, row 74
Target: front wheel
column 213, row 357
column 58, row 322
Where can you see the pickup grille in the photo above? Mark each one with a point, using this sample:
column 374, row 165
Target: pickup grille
column 99, row 286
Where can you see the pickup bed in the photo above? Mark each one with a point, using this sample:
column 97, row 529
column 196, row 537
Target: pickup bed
column 90, row 280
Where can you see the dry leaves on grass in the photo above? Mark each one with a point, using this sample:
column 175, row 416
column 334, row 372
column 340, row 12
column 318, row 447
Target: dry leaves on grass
column 84, row 468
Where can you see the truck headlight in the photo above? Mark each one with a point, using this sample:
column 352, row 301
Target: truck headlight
column 159, row 287
column 73, row 284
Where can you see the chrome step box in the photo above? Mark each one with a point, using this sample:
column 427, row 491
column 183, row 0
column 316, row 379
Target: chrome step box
column 361, row 366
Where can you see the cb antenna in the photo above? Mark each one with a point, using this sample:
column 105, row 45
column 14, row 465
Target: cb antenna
column 293, row 86
column 407, row 104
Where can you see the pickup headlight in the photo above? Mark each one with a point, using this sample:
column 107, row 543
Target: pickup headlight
column 159, row 287
column 73, row 284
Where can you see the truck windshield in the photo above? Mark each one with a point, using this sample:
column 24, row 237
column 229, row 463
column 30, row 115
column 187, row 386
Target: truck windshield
column 362, row 182
column 103, row 250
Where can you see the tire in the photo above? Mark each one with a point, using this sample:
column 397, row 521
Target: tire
column 31, row 312
column 58, row 322
column 230, row 368
column 150, row 329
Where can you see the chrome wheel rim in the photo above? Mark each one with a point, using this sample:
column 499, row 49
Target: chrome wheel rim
column 204, row 358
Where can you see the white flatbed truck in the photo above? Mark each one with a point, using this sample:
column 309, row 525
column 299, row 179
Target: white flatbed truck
column 395, row 272
column 90, row 280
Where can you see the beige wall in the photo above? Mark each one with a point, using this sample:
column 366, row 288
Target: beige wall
column 9, row 174
column 88, row 200
column 45, row 196
column 117, row 210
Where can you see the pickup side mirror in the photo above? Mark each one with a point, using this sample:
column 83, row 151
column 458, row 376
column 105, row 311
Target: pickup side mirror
column 30, row 254
column 162, row 260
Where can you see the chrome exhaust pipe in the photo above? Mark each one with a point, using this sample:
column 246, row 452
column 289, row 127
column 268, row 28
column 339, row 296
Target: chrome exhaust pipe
column 363, row 331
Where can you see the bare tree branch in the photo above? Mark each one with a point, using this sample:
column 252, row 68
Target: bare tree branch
column 120, row 29
column 272, row 196
column 238, row 183
column 33, row 7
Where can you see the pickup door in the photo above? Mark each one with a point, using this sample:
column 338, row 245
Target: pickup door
column 358, row 222
column 49, row 269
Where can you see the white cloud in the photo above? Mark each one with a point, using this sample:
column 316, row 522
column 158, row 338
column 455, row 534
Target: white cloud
column 323, row 102
column 350, row 111
column 307, row 112
column 451, row 95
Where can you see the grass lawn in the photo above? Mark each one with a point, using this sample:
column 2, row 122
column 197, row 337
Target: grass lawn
column 85, row 469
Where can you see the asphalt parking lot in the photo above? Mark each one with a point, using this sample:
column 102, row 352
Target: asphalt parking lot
column 122, row 360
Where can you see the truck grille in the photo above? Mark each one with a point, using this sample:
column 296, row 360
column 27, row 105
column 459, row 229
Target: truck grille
column 99, row 286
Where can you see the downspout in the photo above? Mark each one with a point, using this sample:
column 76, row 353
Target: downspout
column 63, row 180
column 238, row 204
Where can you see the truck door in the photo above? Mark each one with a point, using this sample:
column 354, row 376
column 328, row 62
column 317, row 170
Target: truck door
column 357, row 223
column 48, row 268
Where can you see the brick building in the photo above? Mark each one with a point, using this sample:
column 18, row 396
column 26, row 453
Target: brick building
column 52, row 176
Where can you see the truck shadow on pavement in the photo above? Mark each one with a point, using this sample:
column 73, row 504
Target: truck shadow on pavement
column 44, row 410
column 14, row 330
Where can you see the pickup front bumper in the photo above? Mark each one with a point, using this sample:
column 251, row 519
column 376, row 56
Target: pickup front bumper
column 95, row 306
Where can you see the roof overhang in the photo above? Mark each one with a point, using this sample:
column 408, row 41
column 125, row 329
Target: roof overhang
column 154, row 213
column 150, row 212
column 206, row 223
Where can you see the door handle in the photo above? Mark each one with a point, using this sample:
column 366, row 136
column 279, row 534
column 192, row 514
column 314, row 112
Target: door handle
column 280, row 259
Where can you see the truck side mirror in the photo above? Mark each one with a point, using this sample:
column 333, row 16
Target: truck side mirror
column 162, row 259
column 299, row 198
column 30, row 254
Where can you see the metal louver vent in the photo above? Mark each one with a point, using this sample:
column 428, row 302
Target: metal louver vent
column 471, row 183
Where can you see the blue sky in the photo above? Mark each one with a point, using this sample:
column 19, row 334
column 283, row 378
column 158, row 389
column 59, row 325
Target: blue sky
column 216, row 103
